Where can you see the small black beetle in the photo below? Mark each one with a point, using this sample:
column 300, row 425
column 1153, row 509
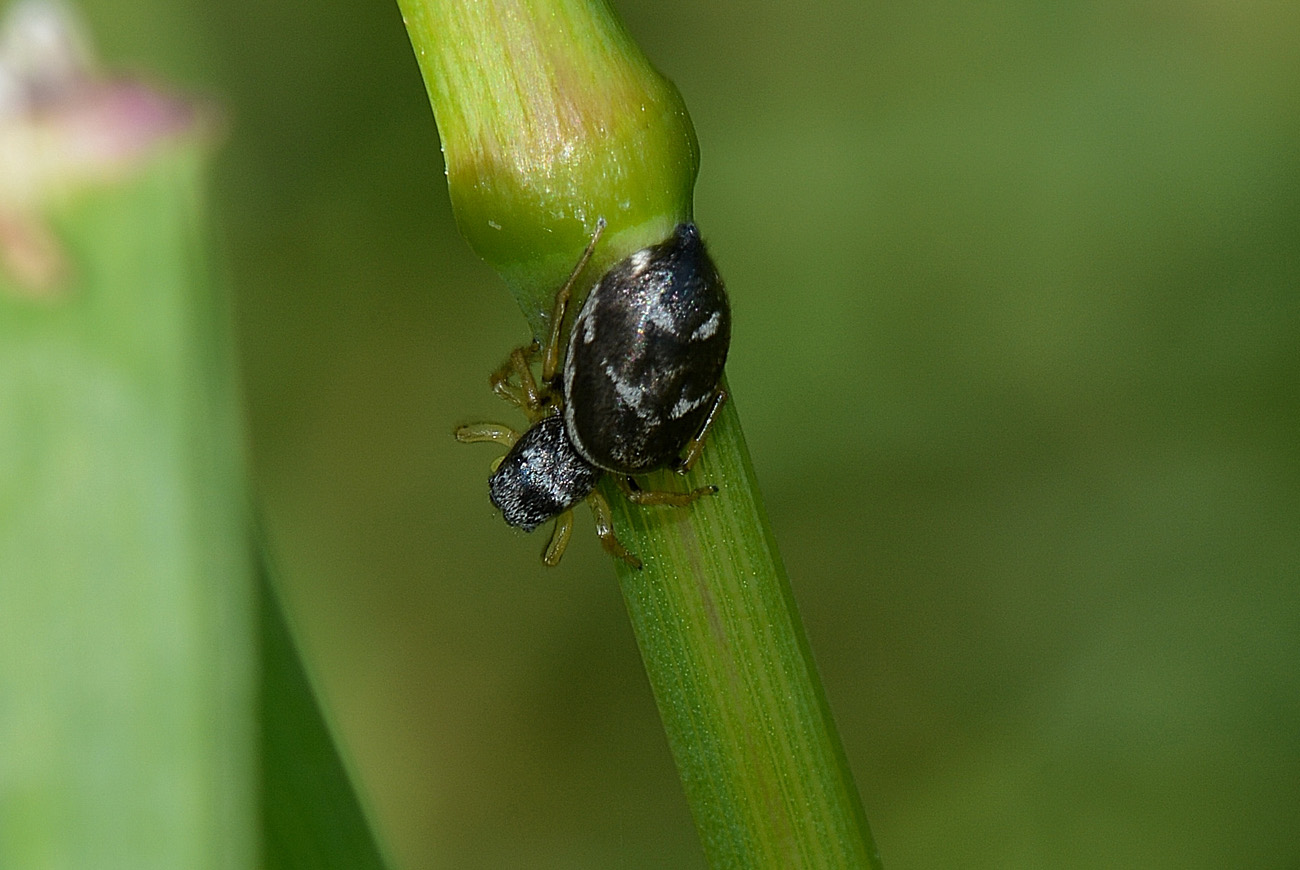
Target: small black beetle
column 640, row 385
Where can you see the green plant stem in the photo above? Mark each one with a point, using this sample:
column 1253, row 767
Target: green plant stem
column 733, row 676
column 541, row 140
column 550, row 117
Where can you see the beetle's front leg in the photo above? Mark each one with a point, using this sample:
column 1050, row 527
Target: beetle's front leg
column 551, row 358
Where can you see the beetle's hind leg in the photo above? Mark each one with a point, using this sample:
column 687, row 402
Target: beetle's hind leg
column 605, row 530
column 637, row 495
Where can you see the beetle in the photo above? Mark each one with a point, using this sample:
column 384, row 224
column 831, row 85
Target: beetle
column 637, row 390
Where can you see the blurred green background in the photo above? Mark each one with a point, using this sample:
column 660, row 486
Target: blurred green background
column 1017, row 348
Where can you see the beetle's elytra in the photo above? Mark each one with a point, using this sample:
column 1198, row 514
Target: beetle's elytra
column 637, row 390
column 646, row 355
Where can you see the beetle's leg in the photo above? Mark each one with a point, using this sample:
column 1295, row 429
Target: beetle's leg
column 695, row 446
column 494, row 432
column 637, row 495
column 551, row 359
column 559, row 539
column 605, row 530
column 522, row 393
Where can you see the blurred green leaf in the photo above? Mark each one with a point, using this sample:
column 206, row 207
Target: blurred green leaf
column 126, row 644
column 311, row 817
column 128, row 640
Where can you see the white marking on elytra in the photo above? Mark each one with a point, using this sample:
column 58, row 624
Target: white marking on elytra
column 708, row 328
column 684, row 406
column 632, row 395
column 662, row 318
column 639, row 261
column 589, row 330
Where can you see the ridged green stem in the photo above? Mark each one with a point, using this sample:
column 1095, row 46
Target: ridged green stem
column 541, row 140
